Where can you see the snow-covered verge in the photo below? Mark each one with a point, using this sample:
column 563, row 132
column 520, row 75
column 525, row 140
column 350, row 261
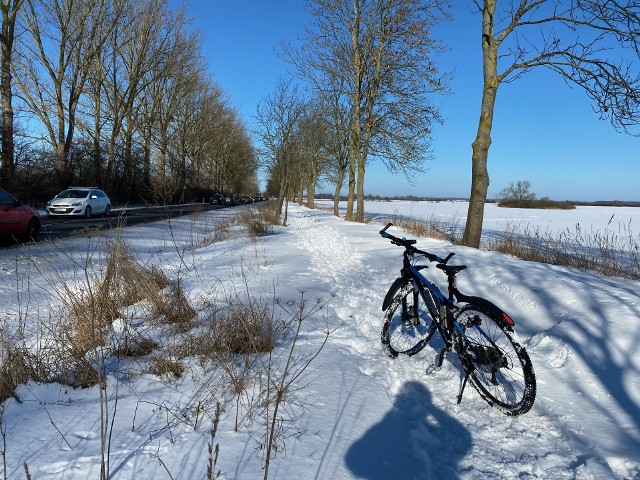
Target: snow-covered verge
column 355, row 412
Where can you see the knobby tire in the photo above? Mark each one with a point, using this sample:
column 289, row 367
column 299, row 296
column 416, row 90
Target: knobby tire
column 406, row 331
column 500, row 369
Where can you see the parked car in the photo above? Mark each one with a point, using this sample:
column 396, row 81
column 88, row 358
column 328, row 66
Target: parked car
column 217, row 199
column 17, row 219
column 80, row 201
column 229, row 200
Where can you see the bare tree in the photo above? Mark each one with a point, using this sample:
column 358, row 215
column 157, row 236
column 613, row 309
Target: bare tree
column 338, row 150
column 313, row 150
column 9, row 9
column 577, row 39
column 381, row 53
column 517, row 194
column 55, row 60
column 150, row 37
column 178, row 70
column 278, row 118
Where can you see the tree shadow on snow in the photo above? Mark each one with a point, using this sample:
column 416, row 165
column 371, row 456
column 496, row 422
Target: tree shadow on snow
column 414, row 440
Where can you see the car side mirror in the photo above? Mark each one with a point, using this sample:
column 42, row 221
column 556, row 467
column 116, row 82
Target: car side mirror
column 93, row 197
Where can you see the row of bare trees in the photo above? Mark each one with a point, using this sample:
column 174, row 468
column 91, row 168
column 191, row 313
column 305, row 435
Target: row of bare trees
column 115, row 93
column 370, row 73
column 370, row 78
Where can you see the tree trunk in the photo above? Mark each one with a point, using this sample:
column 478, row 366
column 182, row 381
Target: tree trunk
column 480, row 146
column 352, row 190
column 6, row 173
column 311, row 188
column 336, row 199
column 97, row 148
column 336, row 196
column 360, row 188
column 9, row 13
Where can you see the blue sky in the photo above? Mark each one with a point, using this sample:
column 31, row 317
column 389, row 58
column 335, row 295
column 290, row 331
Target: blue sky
column 544, row 131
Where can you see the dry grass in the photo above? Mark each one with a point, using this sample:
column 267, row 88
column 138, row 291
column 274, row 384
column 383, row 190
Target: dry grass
column 609, row 253
column 170, row 306
column 15, row 369
column 135, row 347
column 165, row 367
column 260, row 220
column 246, row 328
column 432, row 227
column 242, row 327
column 125, row 283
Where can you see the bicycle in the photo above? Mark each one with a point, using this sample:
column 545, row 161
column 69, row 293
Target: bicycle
column 479, row 332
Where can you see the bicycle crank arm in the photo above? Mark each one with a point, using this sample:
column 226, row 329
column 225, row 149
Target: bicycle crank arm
column 433, row 368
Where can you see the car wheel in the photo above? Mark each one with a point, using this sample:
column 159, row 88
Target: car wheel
column 33, row 230
column 87, row 212
column 107, row 211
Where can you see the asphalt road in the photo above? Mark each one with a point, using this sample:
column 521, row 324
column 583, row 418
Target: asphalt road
column 58, row 227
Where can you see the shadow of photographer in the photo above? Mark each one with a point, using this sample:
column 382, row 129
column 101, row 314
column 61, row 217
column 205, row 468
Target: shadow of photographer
column 415, row 440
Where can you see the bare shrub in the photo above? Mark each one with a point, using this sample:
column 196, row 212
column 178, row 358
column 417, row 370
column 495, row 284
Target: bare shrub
column 267, row 211
column 280, row 387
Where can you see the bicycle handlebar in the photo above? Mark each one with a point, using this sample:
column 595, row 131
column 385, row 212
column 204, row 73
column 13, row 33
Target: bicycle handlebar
column 408, row 245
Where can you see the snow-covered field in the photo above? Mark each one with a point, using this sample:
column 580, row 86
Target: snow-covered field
column 496, row 219
column 355, row 412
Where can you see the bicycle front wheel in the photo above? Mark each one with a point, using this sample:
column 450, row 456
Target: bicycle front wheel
column 500, row 368
column 407, row 326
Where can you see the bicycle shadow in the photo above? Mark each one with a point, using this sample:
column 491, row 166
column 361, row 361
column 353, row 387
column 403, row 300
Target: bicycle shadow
column 414, row 440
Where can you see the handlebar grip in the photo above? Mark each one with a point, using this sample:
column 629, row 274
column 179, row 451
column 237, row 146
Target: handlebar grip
column 385, row 229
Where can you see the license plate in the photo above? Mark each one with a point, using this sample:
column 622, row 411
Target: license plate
column 59, row 209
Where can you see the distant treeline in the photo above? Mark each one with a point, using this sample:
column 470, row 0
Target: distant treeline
column 539, row 203
column 385, row 198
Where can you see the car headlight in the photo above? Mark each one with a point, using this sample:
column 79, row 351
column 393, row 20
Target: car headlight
column 48, row 204
column 76, row 204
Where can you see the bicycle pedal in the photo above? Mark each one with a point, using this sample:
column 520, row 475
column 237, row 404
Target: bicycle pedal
column 432, row 369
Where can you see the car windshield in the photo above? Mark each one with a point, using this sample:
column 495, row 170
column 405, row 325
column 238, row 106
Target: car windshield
column 73, row 194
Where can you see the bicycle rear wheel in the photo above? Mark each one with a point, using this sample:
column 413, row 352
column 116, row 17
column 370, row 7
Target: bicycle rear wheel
column 407, row 326
column 501, row 370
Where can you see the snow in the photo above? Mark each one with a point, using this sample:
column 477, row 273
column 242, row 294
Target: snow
column 352, row 412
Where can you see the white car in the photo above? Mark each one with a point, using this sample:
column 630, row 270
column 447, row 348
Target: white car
column 80, row 201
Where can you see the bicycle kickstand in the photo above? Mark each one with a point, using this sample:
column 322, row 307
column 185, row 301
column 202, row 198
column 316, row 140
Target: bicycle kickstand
column 464, row 384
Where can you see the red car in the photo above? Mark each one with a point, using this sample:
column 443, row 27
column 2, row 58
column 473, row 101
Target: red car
column 17, row 220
